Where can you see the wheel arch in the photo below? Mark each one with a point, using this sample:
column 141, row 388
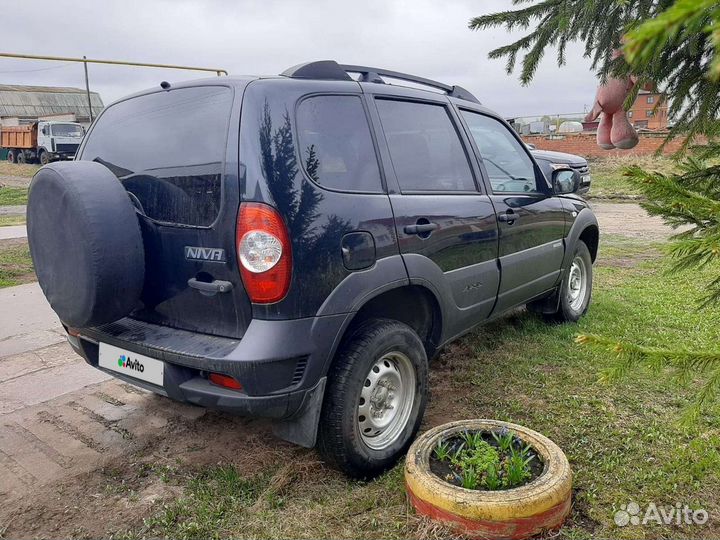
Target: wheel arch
column 584, row 228
column 591, row 236
column 413, row 305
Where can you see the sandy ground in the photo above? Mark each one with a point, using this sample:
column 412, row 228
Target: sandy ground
column 628, row 219
column 70, row 435
column 14, row 181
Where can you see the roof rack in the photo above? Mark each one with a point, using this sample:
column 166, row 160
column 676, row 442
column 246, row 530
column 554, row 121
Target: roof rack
column 331, row 70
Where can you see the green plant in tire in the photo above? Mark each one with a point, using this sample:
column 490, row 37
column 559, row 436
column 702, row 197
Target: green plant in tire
column 517, row 468
column 442, row 451
column 503, row 463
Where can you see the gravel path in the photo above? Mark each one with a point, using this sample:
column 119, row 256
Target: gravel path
column 630, row 220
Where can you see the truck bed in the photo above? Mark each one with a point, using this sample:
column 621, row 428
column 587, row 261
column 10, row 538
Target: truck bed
column 18, row 136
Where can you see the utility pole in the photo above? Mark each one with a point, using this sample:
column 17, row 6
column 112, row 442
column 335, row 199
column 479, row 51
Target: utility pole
column 87, row 89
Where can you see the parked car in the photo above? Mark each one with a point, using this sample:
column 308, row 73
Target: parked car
column 298, row 247
column 549, row 161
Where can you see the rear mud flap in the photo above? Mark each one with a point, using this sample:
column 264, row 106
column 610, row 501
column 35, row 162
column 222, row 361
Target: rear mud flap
column 301, row 428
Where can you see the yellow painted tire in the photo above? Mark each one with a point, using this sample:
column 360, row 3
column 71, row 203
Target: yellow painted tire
column 521, row 512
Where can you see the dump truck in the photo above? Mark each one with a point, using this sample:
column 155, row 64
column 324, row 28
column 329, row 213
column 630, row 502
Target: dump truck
column 42, row 141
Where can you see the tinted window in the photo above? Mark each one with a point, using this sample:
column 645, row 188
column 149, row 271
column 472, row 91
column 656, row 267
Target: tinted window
column 335, row 144
column 168, row 150
column 425, row 148
column 506, row 161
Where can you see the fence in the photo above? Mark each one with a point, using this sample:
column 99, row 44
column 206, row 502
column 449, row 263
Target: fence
column 584, row 144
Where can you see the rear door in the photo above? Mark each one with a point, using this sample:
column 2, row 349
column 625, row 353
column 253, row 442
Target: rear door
column 175, row 152
column 530, row 220
column 445, row 225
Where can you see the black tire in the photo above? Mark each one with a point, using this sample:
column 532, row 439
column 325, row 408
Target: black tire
column 85, row 243
column 43, row 157
column 570, row 310
column 11, row 156
column 20, row 157
column 340, row 441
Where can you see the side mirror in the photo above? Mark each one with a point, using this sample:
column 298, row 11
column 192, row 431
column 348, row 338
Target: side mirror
column 565, row 181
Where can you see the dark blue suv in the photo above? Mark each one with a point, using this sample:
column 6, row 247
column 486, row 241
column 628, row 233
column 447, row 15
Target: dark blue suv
column 297, row 247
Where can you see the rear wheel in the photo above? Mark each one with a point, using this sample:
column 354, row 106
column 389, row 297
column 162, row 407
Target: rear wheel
column 375, row 399
column 576, row 288
column 20, row 158
column 11, row 156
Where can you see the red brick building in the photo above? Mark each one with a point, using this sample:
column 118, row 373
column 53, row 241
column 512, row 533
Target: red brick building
column 650, row 111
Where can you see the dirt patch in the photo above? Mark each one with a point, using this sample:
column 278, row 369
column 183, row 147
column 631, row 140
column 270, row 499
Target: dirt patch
column 14, row 181
column 631, row 221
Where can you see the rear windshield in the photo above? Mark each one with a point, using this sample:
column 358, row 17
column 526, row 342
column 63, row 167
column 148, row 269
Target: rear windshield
column 168, row 150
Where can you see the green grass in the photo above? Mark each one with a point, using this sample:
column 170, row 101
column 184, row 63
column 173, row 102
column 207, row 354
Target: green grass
column 15, row 264
column 12, row 220
column 624, row 440
column 609, row 182
column 11, row 196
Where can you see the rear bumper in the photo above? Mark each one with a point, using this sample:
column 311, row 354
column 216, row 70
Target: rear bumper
column 277, row 362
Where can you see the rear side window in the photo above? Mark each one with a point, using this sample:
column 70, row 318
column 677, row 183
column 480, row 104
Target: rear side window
column 335, row 144
column 425, row 148
column 168, row 150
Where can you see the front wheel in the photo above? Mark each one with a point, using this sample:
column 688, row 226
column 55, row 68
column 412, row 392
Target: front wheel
column 375, row 399
column 576, row 288
column 44, row 157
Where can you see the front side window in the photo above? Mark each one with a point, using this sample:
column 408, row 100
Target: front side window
column 425, row 148
column 508, row 165
column 335, row 144
column 168, row 150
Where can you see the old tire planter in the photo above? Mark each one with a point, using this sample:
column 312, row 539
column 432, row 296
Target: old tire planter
column 522, row 512
column 85, row 243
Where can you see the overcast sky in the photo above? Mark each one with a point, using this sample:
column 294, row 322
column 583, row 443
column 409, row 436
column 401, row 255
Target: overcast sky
column 429, row 38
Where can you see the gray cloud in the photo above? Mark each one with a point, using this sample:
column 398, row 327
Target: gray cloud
column 425, row 37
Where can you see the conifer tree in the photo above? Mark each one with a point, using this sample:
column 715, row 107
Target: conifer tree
column 675, row 44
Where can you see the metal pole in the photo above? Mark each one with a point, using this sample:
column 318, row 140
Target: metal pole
column 111, row 62
column 87, row 89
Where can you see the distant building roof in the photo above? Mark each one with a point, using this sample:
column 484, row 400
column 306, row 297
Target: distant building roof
column 35, row 101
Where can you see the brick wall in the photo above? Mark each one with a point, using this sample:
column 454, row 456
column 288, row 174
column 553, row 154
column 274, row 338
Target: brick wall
column 583, row 144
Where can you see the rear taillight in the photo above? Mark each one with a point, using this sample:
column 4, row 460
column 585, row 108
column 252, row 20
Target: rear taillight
column 225, row 381
column 263, row 252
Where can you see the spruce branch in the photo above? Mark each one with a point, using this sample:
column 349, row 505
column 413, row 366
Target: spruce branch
column 683, row 363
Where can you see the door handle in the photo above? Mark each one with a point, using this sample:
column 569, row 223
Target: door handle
column 420, row 228
column 508, row 217
column 210, row 288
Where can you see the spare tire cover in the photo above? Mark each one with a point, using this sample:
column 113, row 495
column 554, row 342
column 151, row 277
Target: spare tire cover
column 85, row 242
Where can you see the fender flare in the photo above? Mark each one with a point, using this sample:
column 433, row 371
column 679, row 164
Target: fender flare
column 359, row 288
column 586, row 218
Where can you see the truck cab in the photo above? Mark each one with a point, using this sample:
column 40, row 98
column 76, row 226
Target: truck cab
column 58, row 140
